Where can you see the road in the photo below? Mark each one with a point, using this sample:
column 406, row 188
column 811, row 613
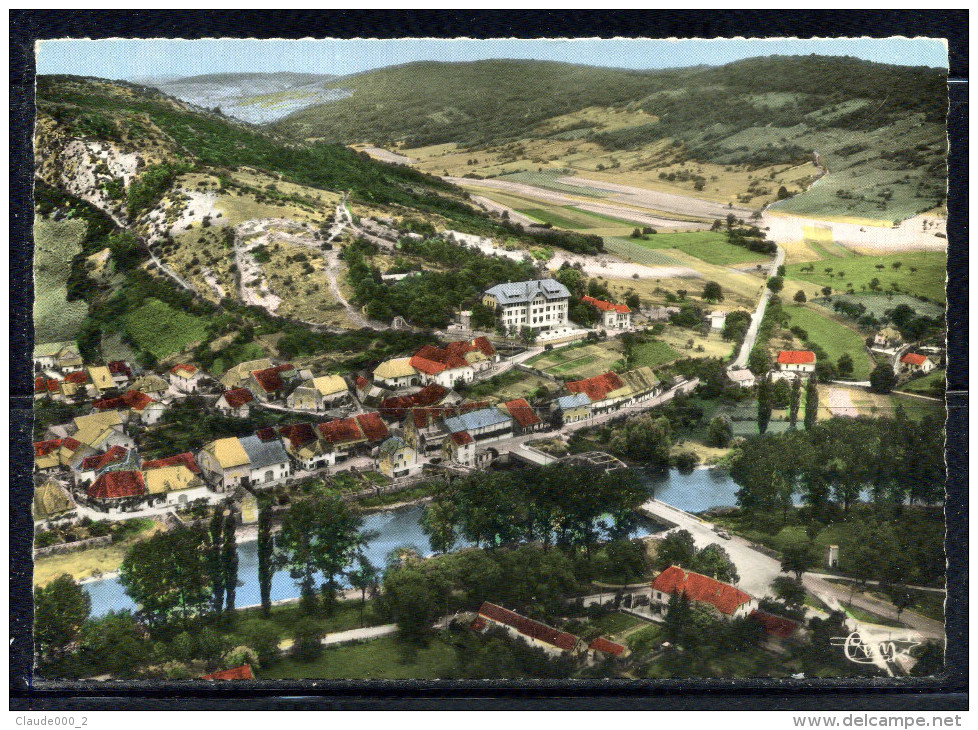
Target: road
column 755, row 322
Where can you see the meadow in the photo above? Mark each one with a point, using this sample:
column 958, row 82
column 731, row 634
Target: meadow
column 162, row 330
column 381, row 658
column 710, row 246
column 581, row 361
column 832, row 336
column 56, row 243
column 920, row 273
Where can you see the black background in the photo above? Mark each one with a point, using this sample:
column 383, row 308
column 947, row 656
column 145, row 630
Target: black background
column 946, row 693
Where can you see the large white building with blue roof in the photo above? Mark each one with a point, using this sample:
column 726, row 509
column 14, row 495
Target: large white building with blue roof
column 540, row 305
column 486, row 424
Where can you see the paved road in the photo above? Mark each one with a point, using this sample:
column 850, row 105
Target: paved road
column 755, row 322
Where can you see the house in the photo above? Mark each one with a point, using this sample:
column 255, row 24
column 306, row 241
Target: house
column 242, row 672
column 888, row 337
column 237, row 376
column 235, row 402
column 272, row 383
column 345, row 435
column 140, row 406
column 729, row 601
column 52, row 504
column 602, row 648
column 613, row 316
column 46, row 387
column 796, row 362
column 397, row 459
column 572, row 408
column 117, row 491
column 484, row 425
column 102, row 430
column 459, row 448
column 441, row 366
column 186, row 378
column 612, row 391
column 318, row 394
column 532, row 632
column 717, row 320
column 541, row 304
column 914, row 363
column 76, row 386
column 304, row 446
column 175, row 480
column 251, row 461
column 55, row 454
column 398, row 406
column 101, row 378
column 120, row 371
column 152, row 385
column 744, row 378
column 478, row 353
column 92, row 467
column 523, row 415
column 777, row 627
column 61, row 356
column 396, row 373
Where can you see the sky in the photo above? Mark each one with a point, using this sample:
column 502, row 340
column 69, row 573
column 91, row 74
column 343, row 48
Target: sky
column 130, row 59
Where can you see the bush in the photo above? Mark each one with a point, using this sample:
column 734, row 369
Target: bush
column 306, row 646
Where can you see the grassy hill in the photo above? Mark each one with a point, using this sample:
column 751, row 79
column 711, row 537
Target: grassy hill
column 877, row 129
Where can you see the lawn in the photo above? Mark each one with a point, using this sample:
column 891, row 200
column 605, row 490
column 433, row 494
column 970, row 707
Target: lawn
column 869, row 618
column 926, row 280
column 82, row 564
column 345, row 616
column 616, row 623
column 633, row 250
column 708, row 246
column 574, row 219
column 832, row 336
column 652, row 354
column 381, row 658
column 509, row 385
column 931, row 385
column 548, row 181
column 56, row 243
column 577, row 362
column 162, row 330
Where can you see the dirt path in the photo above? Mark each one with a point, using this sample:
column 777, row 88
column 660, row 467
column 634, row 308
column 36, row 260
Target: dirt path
column 387, row 156
column 840, row 403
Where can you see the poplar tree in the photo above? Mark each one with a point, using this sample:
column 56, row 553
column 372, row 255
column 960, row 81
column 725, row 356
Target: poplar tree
column 229, row 560
column 764, row 405
column 265, row 549
column 214, row 558
column 795, row 401
column 811, row 405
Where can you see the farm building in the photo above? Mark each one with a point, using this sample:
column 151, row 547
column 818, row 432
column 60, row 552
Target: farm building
column 729, row 601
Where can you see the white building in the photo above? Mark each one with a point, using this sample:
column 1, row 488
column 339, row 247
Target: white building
column 185, row 378
column 540, row 304
column 796, row 362
column 744, row 378
column 613, row 316
column 396, row 373
column 717, row 320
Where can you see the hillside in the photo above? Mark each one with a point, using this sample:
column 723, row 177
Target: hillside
column 735, row 133
column 252, row 97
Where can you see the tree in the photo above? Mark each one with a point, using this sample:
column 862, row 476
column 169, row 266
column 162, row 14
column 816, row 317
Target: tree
column 60, row 609
column 677, row 618
column 758, row 361
column 676, row 548
column 775, row 284
column 782, row 271
column 438, row 522
column 717, row 225
column 796, row 558
column 882, row 379
column 791, row 592
column 826, row 291
column 319, row 535
column 800, row 296
column 795, row 401
column 719, row 432
column 633, row 301
column 783, row 193
column 266, row 549
column 364, row 577
column 168, row 575
column 229, row 560
column 215, row 557
column 113, row 644
column 844, row 365
column 902, row 599
column 415, row 599
column 764, row 405
column 811, row 405
column 712, row 292
column 714, row 561
column 781, row 394
column 306, row 640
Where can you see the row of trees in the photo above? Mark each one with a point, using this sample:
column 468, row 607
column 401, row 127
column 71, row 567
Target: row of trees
column 786, row 394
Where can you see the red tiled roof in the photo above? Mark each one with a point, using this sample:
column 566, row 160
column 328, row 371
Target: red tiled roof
column 266, row 434
column 479, row 344
column 373, row 428
column 184, row 368
column 433, row 360
column 53, row 385
column 186, row 459
column 237, row 397
column 606, row 306
column 119, row 367
column 606, row 647
column 795, row 357
column 361, row 382
column 98, row 461
column 726, row 598
column 42, row 385
column 397, row 406
column 598, row 387
column 43, row 448
column 298, row 434
column 78, row 377
column 242, row 672
column 912, row 358
column 478, row 624
column 462, row 438
column 133, row 399
column 117, row 484
column 775, row 625
column 339, row 431
column 429, row 395
column 523, row 412
column 70, row 443
column 529, row 627
column 485, row 346
column 270, row 379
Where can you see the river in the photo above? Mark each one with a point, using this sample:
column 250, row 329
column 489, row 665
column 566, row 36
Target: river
column 696, row 492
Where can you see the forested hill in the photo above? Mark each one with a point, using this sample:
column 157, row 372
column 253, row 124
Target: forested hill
column 491, row 101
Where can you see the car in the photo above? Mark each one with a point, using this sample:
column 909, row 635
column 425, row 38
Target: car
column 722, row 533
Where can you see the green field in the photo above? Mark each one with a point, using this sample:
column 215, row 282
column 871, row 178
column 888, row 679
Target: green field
column 932, row 384
column 632, row 250
column 162, row 330
column 575, row 363
column 652, row 354
column 709, row 246
column 877, row 304
column 833, row 337
column 928, row 279
column 55, row 244
column 377, row 659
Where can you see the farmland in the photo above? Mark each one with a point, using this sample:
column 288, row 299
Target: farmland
column 577, row 362
column 919, row 273
column 158, row 328
column 832, row 336
column 55, row 245
column 710, row 246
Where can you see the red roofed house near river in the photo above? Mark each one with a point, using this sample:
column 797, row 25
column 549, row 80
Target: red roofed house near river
column 730, row 601
column 533, row 632
column 117, row 491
